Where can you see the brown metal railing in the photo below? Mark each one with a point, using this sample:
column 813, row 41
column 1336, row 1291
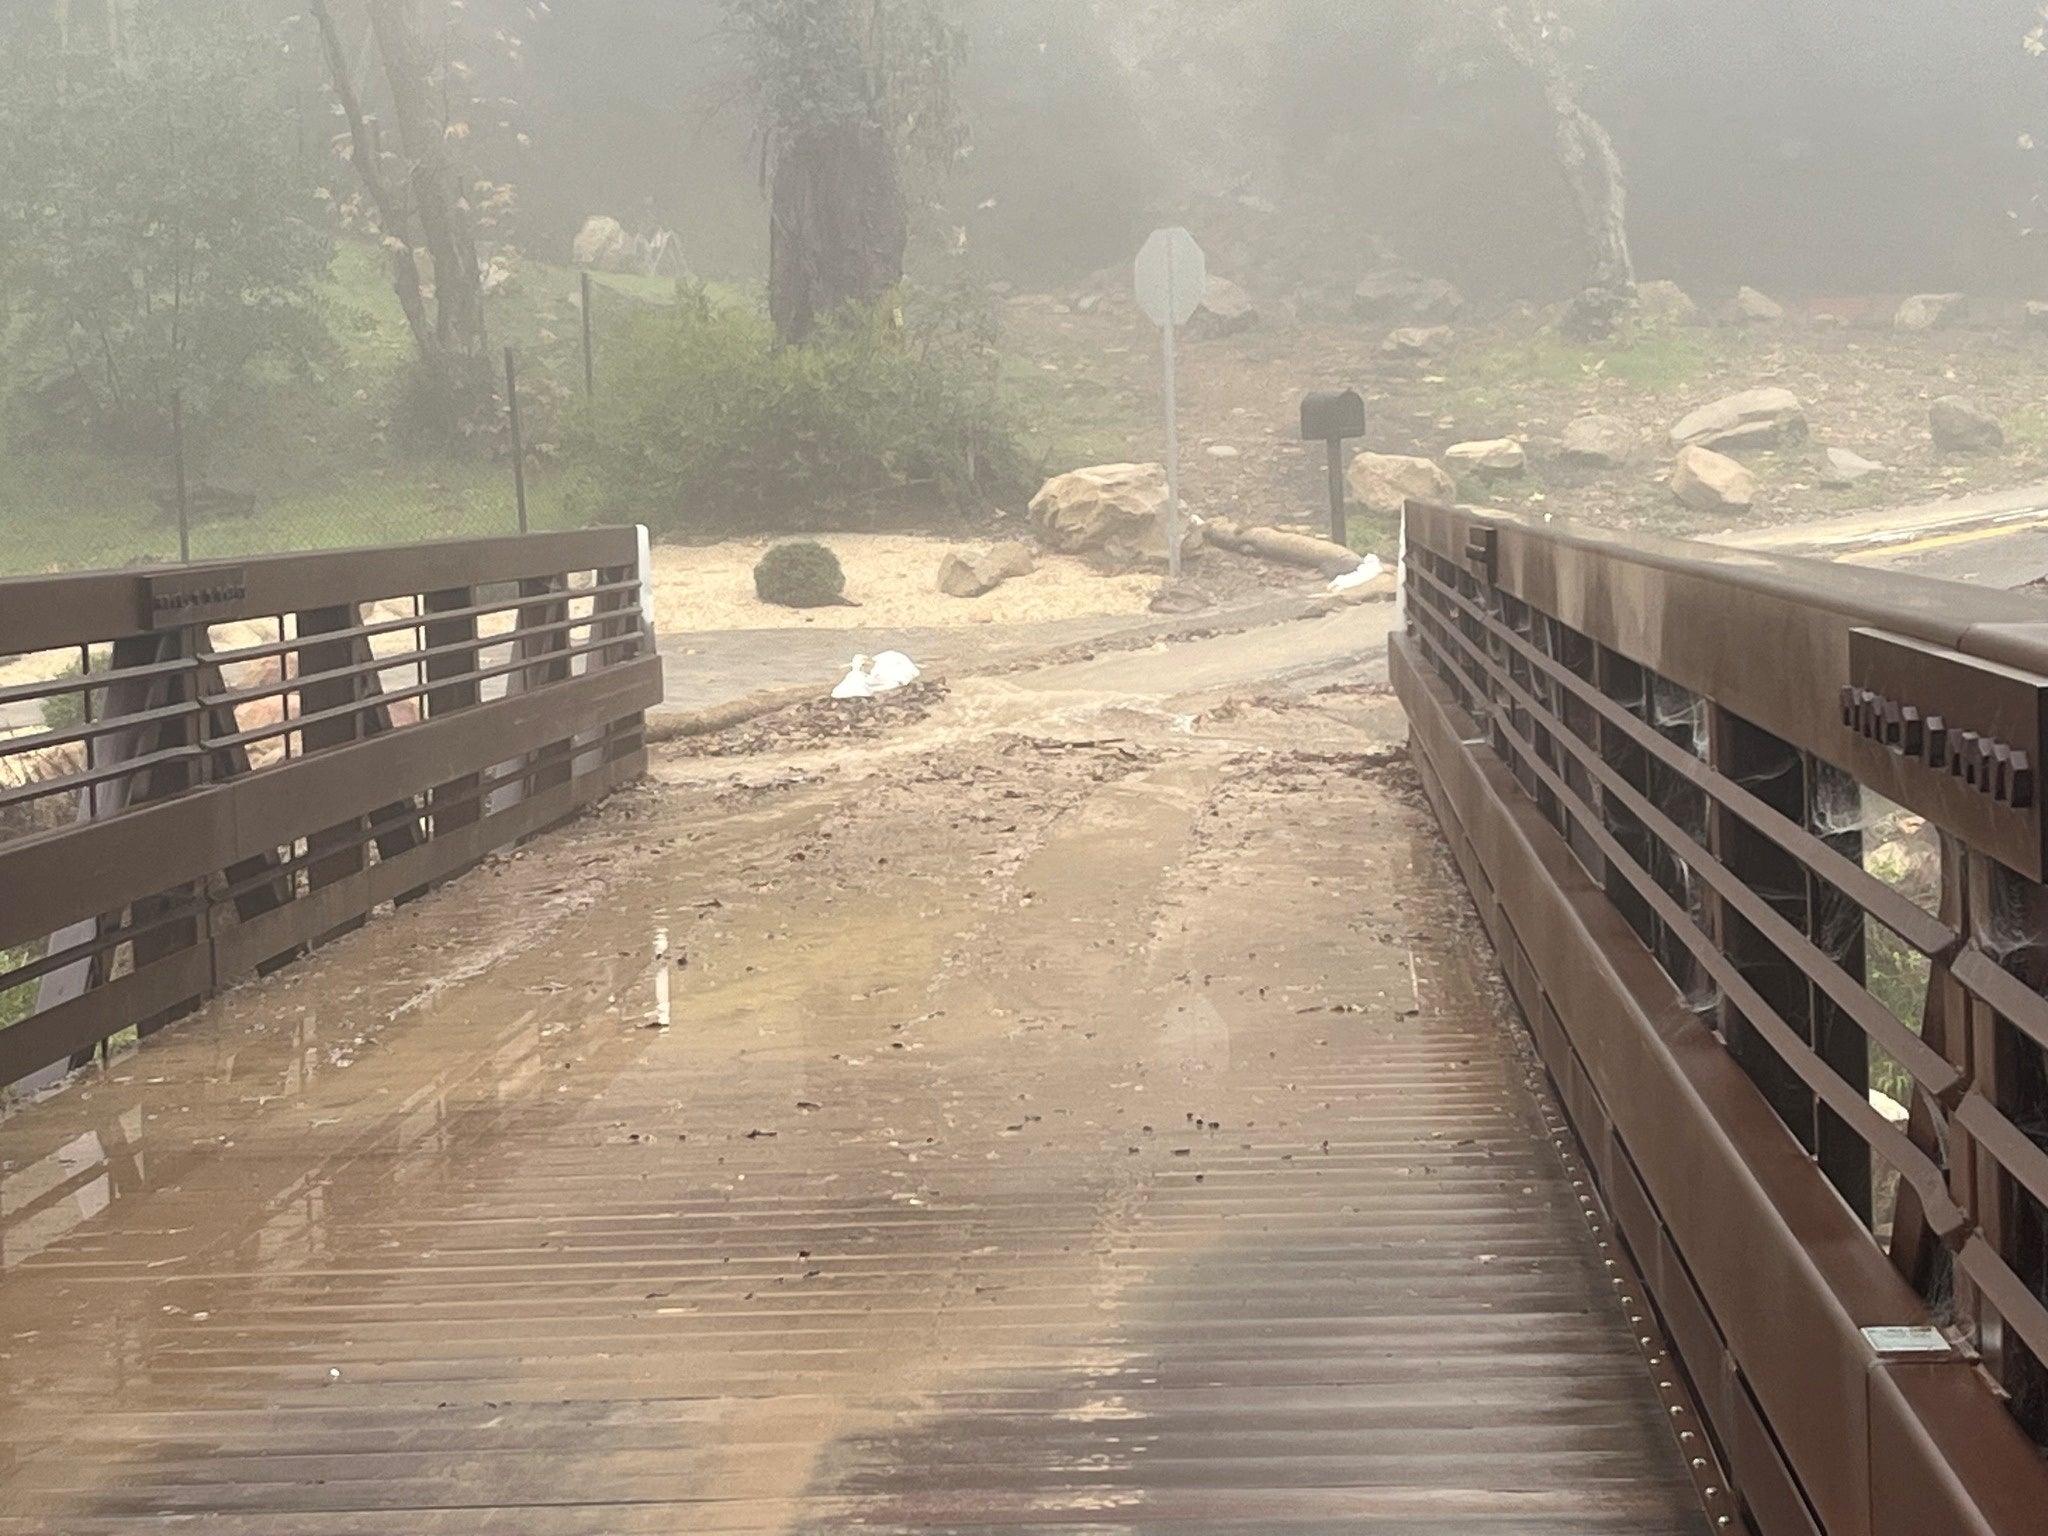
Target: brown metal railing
column 1663, row 769
column 204, row 771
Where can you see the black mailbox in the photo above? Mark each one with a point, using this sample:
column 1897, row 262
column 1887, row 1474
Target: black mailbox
column 1332, row 415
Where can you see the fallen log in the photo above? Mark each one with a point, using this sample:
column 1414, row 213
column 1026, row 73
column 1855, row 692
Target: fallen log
column 1281, row 547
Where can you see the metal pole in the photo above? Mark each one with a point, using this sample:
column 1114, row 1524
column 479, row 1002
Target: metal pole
column 518, row 442
column 178, row 468
column 1173, row 509
column 1340, row 525
column 589, row 345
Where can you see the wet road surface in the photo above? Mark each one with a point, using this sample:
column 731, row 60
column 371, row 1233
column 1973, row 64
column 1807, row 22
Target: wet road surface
column 1085, row 1109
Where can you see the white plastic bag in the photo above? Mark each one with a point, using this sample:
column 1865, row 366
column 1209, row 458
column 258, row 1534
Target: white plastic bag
column 872, row 675
column 1370, row 569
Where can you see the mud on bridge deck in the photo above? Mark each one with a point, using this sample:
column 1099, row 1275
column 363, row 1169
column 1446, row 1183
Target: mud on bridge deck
column 1078, row 1114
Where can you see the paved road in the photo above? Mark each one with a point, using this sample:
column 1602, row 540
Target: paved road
column 1088, row 1108
column 1996, row 540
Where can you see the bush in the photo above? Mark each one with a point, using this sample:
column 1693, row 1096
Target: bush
column 804, row 575
column 704, row 425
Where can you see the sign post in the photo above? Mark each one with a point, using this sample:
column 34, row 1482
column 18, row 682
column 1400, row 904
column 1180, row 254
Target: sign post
column 1172, row 276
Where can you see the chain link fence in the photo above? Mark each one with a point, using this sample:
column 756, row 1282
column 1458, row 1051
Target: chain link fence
column 335, row 464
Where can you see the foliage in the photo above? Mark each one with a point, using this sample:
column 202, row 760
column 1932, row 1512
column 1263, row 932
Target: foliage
column 820, row 64
column 156, row 231
column 706, row 426
column 800, row 575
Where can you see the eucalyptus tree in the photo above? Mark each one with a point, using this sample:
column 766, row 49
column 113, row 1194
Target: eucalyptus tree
column 856, row 108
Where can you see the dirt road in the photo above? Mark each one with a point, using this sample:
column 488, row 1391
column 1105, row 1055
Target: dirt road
column 1084, row 1105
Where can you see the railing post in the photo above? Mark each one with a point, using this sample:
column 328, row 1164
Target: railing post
column 458, row 803
column 1782, row 777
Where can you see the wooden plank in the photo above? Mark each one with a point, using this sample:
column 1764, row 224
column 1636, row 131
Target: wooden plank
column 241, row 948
column 81, row 1024
column 42, row 613
column 79, row 872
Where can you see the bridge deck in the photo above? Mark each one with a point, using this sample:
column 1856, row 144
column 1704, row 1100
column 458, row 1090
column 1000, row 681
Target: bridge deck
column 1077, row 1140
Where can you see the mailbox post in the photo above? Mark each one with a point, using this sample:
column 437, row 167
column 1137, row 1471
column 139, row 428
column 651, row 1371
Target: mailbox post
column 1332, row 416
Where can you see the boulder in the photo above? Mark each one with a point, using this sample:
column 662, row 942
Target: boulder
column 1710, row 482
column 1396, row 296
column 1496, row 456
column 1416, row 341
column 1666, row 304
column 1756, row 418
column 1846, row 468
column 1930, row 311
column 603, row 245
column 1115, row 511
column 1752, row 308
column 977, row 572
column 1961, row 426
column 1226, row 310
column 1384, row 483
column 2037, row 315
column 1598, row 442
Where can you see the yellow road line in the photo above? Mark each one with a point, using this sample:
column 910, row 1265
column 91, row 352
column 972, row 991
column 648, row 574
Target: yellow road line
column 1879, row 554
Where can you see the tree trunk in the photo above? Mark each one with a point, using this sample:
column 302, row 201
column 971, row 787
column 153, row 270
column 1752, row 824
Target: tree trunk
column 439, row 196
column 1592, row 168
column 391, row 211
column 839, row 225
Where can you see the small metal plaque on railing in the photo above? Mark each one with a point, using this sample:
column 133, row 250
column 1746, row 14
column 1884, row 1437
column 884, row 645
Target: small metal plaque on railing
column 194, row 597
column 1956, row 739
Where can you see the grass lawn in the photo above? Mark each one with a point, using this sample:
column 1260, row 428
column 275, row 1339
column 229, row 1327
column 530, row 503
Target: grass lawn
column 324, row 455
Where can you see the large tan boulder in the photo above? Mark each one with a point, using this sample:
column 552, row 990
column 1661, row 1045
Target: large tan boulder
column 968, row 573
column 1756, row 418
column 1386, row 482
column 1711, row 482
column 1598, row 442
column 1495, row 456
column 1962, row 426
column 1117, row 512
column 1666, row 304
column 1226, row 310
column 1750, row 307
column 602, row 245
column 1931, row 311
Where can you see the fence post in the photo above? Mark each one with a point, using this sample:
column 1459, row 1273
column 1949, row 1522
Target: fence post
column 178, row 470
column 589, row 342
column 518, row 442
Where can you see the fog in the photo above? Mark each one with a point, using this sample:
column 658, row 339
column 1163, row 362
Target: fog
column 276, row 251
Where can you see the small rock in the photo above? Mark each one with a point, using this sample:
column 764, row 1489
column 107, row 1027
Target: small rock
column 2037, row 315
column 1846, row 468
column 1756, row 418
column 975, row 573
column 1181, row 598
column 1598, row 442
column 1666, row 304
column 1750, row 307
column 1930, row 311
column 1224, row 451
column 1394, row 296
column 1384, row 483
column 1961, row 426
column 1710, row 482
column 1416, row 341
column 1226, row 310
column 1498, row 456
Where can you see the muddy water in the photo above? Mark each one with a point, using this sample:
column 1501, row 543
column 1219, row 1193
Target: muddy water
column 1085, row 1110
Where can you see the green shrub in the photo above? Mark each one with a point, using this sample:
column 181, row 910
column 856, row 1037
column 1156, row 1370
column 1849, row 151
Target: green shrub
column 801, row 575
column 706, row 426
